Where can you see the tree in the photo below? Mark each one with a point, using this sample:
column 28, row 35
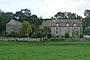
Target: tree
column 60, row 15
column 87, row 13
column 26, row 28
column 19, row 16
column 4, row 19
column 66, row 15
column 26, row 11
column 1, row 12
column 86, row 21
column 87, row 31
column 25, row 14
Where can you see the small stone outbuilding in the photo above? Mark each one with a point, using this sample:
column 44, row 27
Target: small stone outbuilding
column 13, row 26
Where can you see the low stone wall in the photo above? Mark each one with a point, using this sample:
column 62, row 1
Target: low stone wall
column 66, row 39
column 75, row 39
column 43, row 39
column 21, row 39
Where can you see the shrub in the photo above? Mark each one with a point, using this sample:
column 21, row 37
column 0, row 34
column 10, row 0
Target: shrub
column 22, row 35
column 66, row 35
column 2, row 34
column 49, row 36
column 36, row 35
column 81, row 36
column 39, row 35
column 13, row 34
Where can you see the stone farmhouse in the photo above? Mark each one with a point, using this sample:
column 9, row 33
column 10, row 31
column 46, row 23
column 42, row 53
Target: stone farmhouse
column 59, row 27
column 13, row 26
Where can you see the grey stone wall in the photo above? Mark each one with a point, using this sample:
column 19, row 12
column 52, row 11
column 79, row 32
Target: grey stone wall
column 12, row 28
column 62, row 30
column 21, row 39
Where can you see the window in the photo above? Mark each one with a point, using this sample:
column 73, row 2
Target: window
column 74, row 24
column 56, row 28
column 57, row 24
column 67, row 24
column 56, row 32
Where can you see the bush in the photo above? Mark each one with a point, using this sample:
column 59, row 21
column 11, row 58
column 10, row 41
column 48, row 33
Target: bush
column 22, row 35
column 49, row 36
column 12, row 34
column 36, row 35
column 66, row 35
column 2, row 33
column 81, row 36
column 39, row 35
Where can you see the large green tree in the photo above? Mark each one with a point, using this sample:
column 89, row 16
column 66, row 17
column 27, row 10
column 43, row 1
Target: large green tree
column 25, row 14
column 86, row 20
column 66, row 15
column 26, row 28
column 87, row 31
column 4, row 19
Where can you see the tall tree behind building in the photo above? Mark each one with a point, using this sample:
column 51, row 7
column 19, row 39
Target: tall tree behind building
column 86, row 21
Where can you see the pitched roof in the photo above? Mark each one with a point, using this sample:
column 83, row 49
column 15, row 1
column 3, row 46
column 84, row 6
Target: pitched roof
column 14, row 22
column 64, row 21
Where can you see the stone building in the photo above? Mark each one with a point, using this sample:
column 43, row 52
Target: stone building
column 13, row 26
column 60, row 27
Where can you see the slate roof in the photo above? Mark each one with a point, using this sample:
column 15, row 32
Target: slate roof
column 14, row 22
column 63, row 22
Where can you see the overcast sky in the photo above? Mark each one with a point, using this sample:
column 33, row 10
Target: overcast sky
column 46, row 8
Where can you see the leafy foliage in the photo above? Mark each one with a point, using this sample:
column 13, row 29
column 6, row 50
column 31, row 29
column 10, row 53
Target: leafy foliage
column 46, row 31
column 66, row 35
column 4, row 19
column 87, row 31
column 86, row 21
column 23, row 14
column 26, row 28
column 81, row 35
column 87, row 13
column 13, row 34
column 66, row 15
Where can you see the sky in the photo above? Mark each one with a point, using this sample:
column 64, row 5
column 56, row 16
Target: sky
column 46, row 8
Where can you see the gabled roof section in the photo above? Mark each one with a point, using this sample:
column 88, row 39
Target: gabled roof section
column 62, row 22
column 14, row 22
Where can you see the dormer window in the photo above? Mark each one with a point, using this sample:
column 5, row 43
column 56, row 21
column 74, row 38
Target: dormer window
column 67, row 24
column 74, row 24
column 57, row 24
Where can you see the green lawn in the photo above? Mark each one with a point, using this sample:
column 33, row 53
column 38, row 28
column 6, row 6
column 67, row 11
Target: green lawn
column 44, row 50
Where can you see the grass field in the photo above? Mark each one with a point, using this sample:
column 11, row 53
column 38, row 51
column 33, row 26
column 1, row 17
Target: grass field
column 44, row 50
